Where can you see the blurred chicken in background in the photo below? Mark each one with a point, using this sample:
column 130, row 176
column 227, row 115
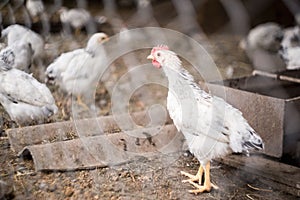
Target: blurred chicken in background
column 76, row 18
column 262, row 45
column 76, row 72
column 16, row 32
column 290, row 46
column 24, row 98
column 35, row 8
column 23, row 53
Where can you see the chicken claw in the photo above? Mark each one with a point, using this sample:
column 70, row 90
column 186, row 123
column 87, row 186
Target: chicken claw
column 197, row 177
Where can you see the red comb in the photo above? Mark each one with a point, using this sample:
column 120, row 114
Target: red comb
column 159, row 47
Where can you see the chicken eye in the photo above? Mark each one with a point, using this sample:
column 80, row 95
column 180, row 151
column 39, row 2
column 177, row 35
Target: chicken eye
column 158, row 54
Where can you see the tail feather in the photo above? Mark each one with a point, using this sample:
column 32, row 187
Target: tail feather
column 254, row 141
column 252, row 145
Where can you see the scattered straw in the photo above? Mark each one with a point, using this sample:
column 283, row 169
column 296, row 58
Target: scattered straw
column 132, row 177
column 251, row 196
column 258, row 189
column 24, row 174
column 248, row 195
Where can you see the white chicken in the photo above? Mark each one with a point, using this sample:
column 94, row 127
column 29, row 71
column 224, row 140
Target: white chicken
column 23, row 97
column 17, row 32
column 290, row 48
column 76, row 17
column 266, row 36
column 291, row 57
column 211, row 126
column 59, row 65
column 262, row 45
column 35, row 8
column 76, row 72
column 291, row 37
column 22, row 55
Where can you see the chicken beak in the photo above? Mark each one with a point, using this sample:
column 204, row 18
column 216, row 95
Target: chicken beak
column 102, row 40
column 150, row 57
column 106, row 39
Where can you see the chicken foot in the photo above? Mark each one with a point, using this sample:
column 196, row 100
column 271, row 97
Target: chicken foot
column 80, row 102
column 193, row 178
column 198, row 177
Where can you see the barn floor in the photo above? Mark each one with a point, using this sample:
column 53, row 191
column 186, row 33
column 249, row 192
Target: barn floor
column 145, row 178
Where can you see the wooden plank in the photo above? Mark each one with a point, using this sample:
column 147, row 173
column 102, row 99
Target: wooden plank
column 279, row 175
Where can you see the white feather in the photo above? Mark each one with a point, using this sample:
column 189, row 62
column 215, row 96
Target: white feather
column 262, row 45
column 292, row 57
column 291, row 37
column 77, row 71
column 35, row 7
column 265, row 36
column 60, row 64
column 24, row 98
column 23, row 55
column 17, row 32
column 76, row 17
column 211, row 126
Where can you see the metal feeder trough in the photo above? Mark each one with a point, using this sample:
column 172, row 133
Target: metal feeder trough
column 271, row 106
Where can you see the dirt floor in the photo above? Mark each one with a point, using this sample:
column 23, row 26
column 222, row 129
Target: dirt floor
column 145, row 178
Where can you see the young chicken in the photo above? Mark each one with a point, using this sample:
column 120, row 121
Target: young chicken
column 291, row 37
column 291, row 57
column 23, row 97
column 266, row 36
column 290, row 48
column 18, row 32
column 211, row 126
column 59, row 65
column 35, row 8
column 22, row 55
column 262, row 45
column 77, row 18
column 75, row 72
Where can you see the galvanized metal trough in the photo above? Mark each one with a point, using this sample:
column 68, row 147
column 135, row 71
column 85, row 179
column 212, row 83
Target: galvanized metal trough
column 271, row 106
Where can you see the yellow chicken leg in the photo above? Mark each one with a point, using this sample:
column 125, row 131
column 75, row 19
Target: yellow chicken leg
column 77, row 32
column 35, row 19
column 197, row 177
column 80, row 102
column 207, row 184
